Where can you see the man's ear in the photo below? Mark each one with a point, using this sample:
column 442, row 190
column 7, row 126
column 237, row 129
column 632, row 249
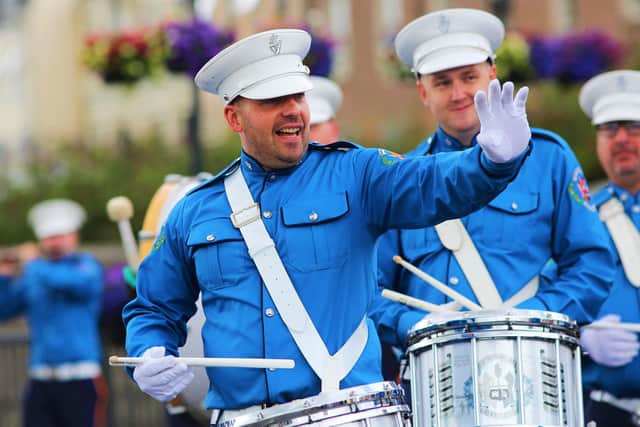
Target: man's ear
column 422, row 91
column 232, row 115
column 492, row 72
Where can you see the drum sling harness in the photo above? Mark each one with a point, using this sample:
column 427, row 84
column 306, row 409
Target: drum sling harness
column 246, row 217
column 454, row 236
column 625, row 237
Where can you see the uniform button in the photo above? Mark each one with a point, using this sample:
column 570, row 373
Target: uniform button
column 313, row 216
column 610, row 190
column 514, row 206
column 210, row 237
column 269, row 312
column 635, row 209
column 267, row 214
column 449, row 142
column 454, row 280
column 272, row 178
column 624, row 196
column 248, row 165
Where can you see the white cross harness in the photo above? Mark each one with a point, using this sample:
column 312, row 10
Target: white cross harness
column 246, row 217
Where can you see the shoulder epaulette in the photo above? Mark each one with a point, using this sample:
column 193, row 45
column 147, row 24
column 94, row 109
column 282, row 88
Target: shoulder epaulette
column 337, row 145
column 547, row 135
column 225, row 172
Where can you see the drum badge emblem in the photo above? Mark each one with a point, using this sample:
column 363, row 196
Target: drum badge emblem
column 275, row 44
column 498, row 386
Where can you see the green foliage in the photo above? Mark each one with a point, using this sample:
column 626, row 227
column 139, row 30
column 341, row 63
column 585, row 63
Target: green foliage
column 93, row 175
column 554, row 106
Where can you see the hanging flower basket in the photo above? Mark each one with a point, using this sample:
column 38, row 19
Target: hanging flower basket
column 126, row 57
column 192, row 43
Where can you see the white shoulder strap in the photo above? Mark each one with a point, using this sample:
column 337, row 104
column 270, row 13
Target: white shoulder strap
column 454, row 236
column 246, row 217
column 625, row 236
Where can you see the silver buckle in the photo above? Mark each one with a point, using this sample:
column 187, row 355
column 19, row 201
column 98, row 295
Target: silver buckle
column 246, row 216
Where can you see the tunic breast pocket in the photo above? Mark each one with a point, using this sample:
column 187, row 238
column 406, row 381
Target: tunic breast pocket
column 510, row 218
column 219, row 253
column 317, row 236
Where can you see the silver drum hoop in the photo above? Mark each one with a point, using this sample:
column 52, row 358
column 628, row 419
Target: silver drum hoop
column 332, row 408
column 511, row 322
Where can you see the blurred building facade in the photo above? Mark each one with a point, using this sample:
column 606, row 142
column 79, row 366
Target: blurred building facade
column 49, row 97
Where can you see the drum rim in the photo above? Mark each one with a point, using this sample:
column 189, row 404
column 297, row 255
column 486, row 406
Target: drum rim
column 326, row 402
column 464, row 322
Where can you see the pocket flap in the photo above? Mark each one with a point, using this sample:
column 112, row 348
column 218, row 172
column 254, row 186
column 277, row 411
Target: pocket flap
column 516, row 203
column 322, row 208
column 213, row 231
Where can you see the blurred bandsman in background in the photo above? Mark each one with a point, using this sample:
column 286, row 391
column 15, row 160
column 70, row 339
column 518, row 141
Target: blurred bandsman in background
column 611, row 375
column 306, row 298
column 492, row 256
column 324, row 102
column 59, row 290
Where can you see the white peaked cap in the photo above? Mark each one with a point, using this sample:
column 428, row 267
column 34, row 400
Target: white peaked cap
column 612, row 96
column 324, row 99
column 56, row 216
column 262, row 66
column 448, row 39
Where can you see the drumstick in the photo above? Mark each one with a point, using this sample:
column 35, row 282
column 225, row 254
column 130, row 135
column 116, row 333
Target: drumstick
column 633, row 327
column 411, row 301
column 466, row 302
column 120, row 210
column 220, row 362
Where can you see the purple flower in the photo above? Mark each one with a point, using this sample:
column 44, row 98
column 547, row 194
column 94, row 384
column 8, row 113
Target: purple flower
column 192, row 43
column 575, row 57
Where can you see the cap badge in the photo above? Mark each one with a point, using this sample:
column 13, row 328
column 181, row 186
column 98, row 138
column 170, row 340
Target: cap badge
column 275, row 44
column 443, row 24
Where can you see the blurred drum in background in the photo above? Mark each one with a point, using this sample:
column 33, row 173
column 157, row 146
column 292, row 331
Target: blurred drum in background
column 165, row 198
column 373, row 405
column 495, row 368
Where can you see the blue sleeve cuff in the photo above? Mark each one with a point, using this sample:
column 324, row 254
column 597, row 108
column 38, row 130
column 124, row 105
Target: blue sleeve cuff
column 503, row 169
column 405, row 323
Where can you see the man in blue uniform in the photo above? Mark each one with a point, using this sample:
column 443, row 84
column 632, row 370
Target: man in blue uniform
column 611, row 371
column 492, row 256
column 281, row 243
column 60, row 293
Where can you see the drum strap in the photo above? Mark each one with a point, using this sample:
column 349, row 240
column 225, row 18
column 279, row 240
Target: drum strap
column 454, row 237
column 625, row 237
column 246, row 217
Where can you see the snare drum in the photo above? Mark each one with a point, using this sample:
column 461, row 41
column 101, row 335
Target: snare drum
column 496, row 368
column 373, row 405
column 174, row 188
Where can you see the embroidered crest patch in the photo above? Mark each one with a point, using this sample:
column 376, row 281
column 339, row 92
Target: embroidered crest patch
column 579, row 189
column 159, row 241
column 389, row 158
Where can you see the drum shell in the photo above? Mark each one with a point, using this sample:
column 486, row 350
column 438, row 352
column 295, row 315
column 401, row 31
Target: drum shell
column 498, row 367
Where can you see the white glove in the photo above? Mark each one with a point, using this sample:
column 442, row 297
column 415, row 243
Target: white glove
column 610, row 347
column 504, row 130
column 160, row 376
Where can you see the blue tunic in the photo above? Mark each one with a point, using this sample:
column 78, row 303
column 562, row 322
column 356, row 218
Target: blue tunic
column 324, row 215
column 624, row 300
column 544, row 213
column 62, row 301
